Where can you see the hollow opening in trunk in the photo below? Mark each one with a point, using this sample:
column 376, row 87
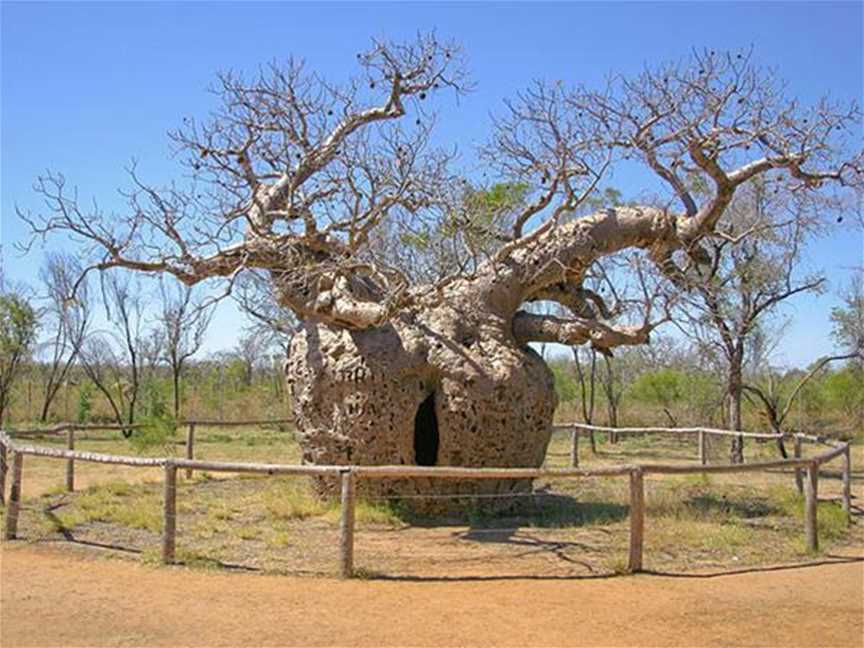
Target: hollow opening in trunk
column 426, row 433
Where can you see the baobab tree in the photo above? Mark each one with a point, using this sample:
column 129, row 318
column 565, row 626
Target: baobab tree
column 295, row 176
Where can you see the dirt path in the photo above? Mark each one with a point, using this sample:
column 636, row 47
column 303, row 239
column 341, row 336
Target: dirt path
column 53, row 598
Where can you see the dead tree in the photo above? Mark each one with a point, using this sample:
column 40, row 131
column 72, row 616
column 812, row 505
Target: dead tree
column 68, row 325
column 755, row 259
column 848, row 319
column 184, row 320
column 777, row 406
column 112, row 359
column 294, row 176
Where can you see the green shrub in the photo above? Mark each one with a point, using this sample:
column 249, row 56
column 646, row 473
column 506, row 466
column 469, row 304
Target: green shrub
column 85, row 403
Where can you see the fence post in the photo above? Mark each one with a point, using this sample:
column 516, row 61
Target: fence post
column 799, row 477
column 14, row 504
column 70, row 463
column 169, row 519
column 703, row 456
column 2, row 473
column 637, row 519
column 574, row 448
column 811, row 494
column 346, row 526
column 190, row 447
column 847, row 484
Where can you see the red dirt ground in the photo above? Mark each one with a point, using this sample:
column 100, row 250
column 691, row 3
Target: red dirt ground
column 51, row 597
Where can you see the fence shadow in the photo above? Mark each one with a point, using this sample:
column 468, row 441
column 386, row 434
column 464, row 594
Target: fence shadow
column 647, row 573
column 829, row 559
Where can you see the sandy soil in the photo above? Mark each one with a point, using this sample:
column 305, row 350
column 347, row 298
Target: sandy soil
column 66, row 598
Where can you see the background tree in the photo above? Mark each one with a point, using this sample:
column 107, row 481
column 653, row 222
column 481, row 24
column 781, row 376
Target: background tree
column 293, row 176
column 112, row 358
column 68, row 321
column 848, row 318
column 18, row 327
column 755, row 267
column 184, row 321
column 776, row 401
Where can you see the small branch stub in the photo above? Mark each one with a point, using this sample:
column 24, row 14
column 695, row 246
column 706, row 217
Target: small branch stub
column 346, row 526
column 637, row 519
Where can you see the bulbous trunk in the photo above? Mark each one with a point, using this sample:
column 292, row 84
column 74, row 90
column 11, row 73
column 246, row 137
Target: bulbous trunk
column 445, row 386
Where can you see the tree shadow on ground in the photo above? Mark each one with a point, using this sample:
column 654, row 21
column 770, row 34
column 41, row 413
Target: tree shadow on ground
column 540, row 509
column 747, row 508
column 829, row 560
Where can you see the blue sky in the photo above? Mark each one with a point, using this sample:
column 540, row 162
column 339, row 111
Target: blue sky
column 87, row 86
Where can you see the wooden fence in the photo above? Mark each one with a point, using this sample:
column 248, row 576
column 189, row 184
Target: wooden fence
column 69, row 430
column 350, row 474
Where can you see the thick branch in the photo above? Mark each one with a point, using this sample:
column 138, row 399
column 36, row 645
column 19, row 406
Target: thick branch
column 528, row 327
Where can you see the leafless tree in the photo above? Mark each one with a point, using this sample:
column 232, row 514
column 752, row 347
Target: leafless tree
column 253, row 351
column 274, row 323
column 775, row 403
column 755, row 268
column 184, row 319
column 295, row 176
column 68, row 324
column 152, row 353
column 112, row 358
column 848, row 319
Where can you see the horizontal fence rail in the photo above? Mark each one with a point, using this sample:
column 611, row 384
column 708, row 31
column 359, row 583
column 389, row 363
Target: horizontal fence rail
column 69, row 430
column 107, row 427
column 806, row 470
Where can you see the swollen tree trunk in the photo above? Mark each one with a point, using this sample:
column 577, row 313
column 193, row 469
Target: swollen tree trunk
column 450, row 386
column 452, row 381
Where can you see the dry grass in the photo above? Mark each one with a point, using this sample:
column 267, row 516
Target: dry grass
column 570, row 526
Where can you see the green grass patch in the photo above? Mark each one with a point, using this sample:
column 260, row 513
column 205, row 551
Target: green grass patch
column 292, row 500
column 376, row 513
column 118, row 503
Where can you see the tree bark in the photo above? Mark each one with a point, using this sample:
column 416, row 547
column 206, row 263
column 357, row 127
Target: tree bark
column 367, row 395
column 735, row 394
column 176, row 388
